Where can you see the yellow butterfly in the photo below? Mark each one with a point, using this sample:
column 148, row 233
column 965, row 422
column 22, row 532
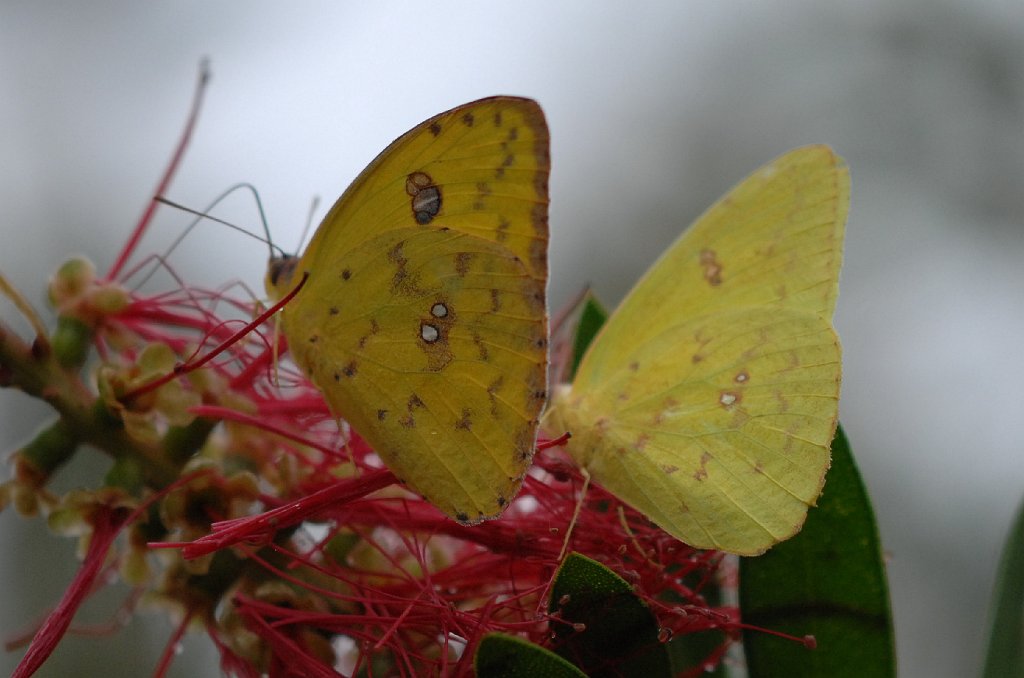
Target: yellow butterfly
column 423, row 317
column 709, row 399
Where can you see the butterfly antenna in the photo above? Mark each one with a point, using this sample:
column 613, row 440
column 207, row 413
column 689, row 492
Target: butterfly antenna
column 313, row 206
column 205, row 214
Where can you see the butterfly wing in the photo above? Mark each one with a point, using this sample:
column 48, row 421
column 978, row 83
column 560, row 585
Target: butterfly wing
column 423, row 316
column 775, row 240
column 709, row 398
column 480, row 168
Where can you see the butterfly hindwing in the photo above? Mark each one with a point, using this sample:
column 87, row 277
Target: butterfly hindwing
column 717, row 429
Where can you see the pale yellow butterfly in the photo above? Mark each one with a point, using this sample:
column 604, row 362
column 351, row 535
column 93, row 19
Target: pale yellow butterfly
column 709, row 399
column 423, row 317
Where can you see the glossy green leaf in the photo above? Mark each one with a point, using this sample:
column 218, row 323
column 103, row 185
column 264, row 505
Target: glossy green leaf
column 503, row 656
column 604, row 628
column 828, row 582
column 1005, row 658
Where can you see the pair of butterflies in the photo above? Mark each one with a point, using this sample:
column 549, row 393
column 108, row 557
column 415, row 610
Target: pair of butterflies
column 708, row 401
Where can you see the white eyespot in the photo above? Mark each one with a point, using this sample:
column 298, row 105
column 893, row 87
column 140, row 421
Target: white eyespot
column 429, row 333
column 727, row 399
column 439, row 310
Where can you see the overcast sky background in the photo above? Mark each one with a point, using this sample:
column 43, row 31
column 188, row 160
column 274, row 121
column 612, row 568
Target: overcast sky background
column 655, row 109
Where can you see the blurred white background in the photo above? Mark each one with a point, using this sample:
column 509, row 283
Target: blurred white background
column 655, row 109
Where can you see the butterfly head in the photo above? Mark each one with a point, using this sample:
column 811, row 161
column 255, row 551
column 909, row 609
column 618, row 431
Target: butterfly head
column 280, row 274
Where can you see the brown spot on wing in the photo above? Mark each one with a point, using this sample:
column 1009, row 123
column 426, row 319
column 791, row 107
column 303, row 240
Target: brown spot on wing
column 414, row 402
column 483, row 190
column 462, row 263
column 426, row 197
column 539, row 218
column 539, row 253
column 698, row 356
column 465, row 423
column 492, row 394
column 524, row 443
column 502, row 233
column 712, row 269
column 402, row 282
column 702, row 473
column 509, row 160
column 481, row 347
column 641, row 442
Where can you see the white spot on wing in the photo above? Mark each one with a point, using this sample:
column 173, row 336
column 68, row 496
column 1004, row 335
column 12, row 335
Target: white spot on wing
column 428, row 333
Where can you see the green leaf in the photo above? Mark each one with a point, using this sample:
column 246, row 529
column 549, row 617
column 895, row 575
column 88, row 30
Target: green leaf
column 829, row 582
column 1005, row 657
column 503, row 656
column 592, row 315
column 605, row 629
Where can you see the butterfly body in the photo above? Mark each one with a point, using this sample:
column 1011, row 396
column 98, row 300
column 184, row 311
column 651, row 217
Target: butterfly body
column 422, row 318
column 709, row 399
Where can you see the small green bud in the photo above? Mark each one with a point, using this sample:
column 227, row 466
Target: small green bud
column 70, row 280
column 71, row 342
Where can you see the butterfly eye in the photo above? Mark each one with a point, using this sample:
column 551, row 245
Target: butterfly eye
column 281, row 269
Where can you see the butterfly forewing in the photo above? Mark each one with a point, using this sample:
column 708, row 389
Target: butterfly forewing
column 775, row 240
column 481, row 168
